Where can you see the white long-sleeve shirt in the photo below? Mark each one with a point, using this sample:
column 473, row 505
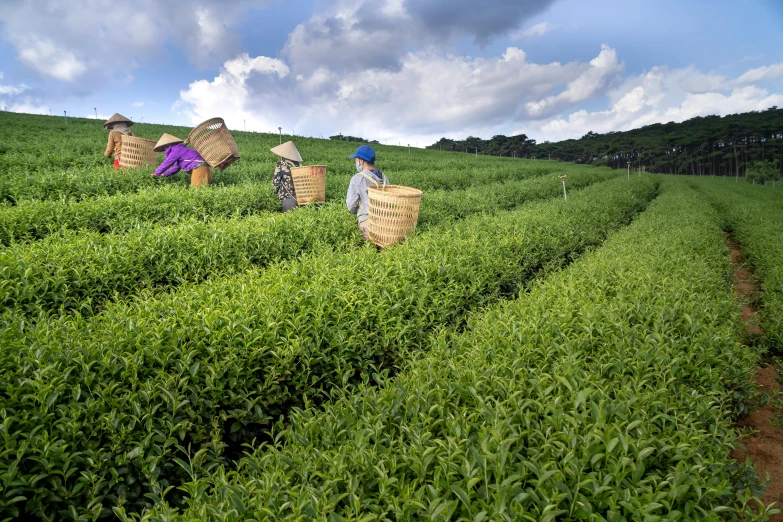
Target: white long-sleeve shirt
column 357, row 198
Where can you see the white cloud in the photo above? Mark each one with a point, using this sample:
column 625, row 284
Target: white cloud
column 251, row 89
column 334, row 40
column 27, row 105
column 433, row 94
column 355, row 35
column 592, row 81
column 399, row 78
column 741, row 99
column 428, row 95
column 382, row 69
column 760, row 74
column 45, row 57
column 535, row 31
column 10, row 90
column 69, row 40
column 662, row 95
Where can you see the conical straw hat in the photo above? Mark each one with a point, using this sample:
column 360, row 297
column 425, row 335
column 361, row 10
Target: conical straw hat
column 116, row 119
column 288, row 151
column 166, row 139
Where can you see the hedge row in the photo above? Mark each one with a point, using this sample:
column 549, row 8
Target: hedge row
column 606, row 393
column 80, row 183
column 173, row 203
column 30, row 220
column 82, row 271
column 753, row 214
column 102, row 412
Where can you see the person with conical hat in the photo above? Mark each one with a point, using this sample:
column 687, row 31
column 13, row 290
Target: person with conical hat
column 281, row 179
column 117, row 126
column 177, row 156
column 358, row 198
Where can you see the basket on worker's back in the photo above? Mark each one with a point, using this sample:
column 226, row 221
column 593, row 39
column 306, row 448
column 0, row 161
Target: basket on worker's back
column 213, row 141
column 393, row 213
column 137, row 152
column 309, row 184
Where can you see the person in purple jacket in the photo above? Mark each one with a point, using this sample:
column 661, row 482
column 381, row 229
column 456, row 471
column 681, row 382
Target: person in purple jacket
column 178, row 157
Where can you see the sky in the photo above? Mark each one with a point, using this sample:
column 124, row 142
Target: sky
column 396, row 71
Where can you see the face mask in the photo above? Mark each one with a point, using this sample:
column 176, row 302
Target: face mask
column 359, row 166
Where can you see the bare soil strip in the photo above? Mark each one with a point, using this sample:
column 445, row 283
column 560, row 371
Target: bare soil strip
column 764, row 446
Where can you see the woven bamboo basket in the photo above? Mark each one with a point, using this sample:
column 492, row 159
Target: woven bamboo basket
column 137, row 152
column 213, row 141
column 393, row 213
column 309, row 184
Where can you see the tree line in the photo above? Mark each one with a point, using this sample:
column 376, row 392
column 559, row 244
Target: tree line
column 340, row 137
column 519, row 146
column 733, row 145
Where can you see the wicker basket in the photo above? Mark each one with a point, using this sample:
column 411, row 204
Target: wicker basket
column 213, row 141
column 309, row 184
column 137, row 152
column 393, row 212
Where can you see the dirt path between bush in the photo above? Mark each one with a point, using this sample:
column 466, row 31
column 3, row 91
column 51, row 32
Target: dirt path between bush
column 765, row 445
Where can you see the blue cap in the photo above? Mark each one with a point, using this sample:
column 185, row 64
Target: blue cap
column 364, row 152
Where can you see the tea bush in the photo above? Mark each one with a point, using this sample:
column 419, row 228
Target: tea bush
column 47, row 161
column 754, row 214
column 172, row 354
column 81, row 271
column 30, row 219
column 605, row 393
column 100, row 412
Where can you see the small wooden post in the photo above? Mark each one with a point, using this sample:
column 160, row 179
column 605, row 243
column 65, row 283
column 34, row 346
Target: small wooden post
column 565, row 194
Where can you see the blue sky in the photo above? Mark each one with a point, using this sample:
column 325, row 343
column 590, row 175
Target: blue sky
column 394, row 70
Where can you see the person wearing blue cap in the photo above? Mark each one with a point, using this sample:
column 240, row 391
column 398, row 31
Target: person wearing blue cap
column 357, row 198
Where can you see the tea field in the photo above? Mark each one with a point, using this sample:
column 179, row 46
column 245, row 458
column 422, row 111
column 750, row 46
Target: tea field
column 171, row 353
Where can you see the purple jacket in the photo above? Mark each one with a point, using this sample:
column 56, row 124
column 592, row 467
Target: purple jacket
column 179, row 157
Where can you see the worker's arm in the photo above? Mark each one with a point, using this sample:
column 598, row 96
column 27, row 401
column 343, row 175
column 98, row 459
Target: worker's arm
column 352, row 198
column 110, row 146
column 169, row 165
column 364, row 205
column 357, row 193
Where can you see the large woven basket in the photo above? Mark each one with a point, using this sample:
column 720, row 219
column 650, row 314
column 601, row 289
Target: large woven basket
column 137, row 152
column 213, row 141
column 393, row 213
column 309, row 184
